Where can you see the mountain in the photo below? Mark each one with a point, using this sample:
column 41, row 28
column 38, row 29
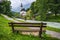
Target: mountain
column 27, row 6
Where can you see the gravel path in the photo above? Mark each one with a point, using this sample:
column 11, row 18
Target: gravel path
column 52, row 33
column 9, row 18
column 51, row 24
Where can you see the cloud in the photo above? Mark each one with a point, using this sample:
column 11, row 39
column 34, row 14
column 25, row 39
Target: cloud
column 27, row 1
column 17, row 3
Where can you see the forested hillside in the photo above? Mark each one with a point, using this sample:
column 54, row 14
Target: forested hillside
column 44, row 9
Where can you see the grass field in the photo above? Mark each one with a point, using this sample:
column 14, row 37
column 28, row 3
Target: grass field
column 53, row 29
column 53, row 18
column 6, row 33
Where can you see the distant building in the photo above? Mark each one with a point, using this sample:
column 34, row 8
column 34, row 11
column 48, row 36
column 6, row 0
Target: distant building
column 22, row 11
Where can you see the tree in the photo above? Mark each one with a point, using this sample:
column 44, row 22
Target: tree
column 42, row 7
column 39, row 7
column 5, row 7
column 32, row 9
column 54, row 6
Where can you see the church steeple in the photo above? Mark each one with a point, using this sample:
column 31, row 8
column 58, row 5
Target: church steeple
column 21, row 5
column 22, row 8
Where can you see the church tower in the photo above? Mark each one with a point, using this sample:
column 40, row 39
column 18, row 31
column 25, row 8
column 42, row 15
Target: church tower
column 21, row 6
column 22, row 11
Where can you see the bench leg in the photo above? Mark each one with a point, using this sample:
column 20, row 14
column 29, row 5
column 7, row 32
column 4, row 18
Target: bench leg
column 40, row 32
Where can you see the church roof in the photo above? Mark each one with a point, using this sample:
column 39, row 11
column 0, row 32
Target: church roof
column 23, row 9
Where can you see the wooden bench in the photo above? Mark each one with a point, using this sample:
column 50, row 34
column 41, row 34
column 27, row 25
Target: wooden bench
column 40, row 25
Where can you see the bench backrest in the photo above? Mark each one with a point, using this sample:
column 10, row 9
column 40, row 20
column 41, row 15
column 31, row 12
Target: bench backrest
column 28, row 24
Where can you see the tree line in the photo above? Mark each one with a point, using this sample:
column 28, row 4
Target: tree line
column 42, row 7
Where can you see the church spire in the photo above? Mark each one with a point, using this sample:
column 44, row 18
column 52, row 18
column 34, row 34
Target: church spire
column 21, row 5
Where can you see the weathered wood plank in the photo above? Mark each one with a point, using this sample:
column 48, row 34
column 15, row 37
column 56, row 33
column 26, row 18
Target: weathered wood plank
column 26, row 23
column 33, row 30
column 27, row 26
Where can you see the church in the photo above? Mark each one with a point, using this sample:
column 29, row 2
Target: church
column 22, row 12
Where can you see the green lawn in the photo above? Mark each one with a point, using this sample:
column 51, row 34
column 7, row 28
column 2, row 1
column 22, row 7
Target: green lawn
column 6, row 33
column 53, row 18
column 53, row 29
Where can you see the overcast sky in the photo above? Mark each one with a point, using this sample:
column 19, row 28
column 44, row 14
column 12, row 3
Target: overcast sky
column 16, row 3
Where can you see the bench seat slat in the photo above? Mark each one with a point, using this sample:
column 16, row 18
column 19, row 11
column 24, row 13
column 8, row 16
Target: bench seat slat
column 27, row 23
column 21, row 30
column 27, row 26
column 23, row 25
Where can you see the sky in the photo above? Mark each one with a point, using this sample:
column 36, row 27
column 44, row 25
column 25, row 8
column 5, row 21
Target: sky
column 16, row 4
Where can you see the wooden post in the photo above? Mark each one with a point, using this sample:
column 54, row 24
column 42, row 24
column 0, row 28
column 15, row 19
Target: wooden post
column 40, row 32
column 12, row 27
